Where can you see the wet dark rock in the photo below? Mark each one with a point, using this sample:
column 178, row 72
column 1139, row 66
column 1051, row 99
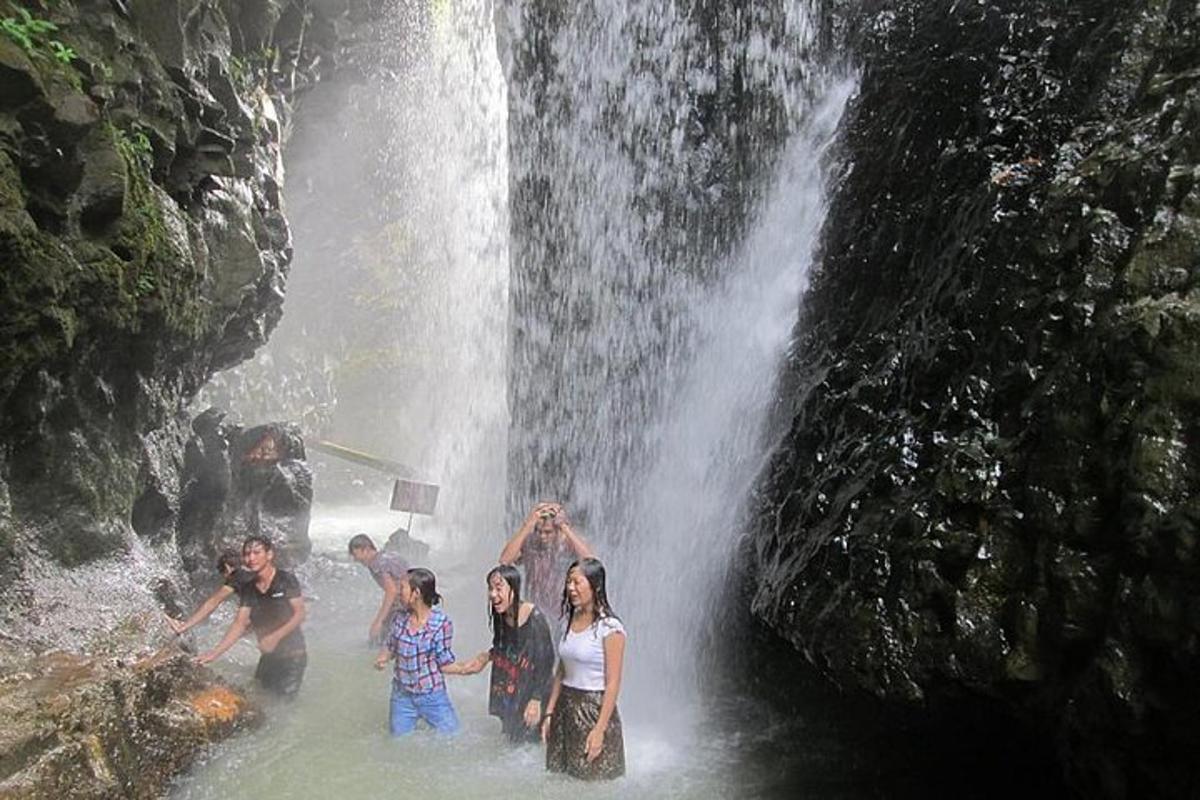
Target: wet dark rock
column 412, row 549
column 19, row 80
column 242, row 481
column 143, row 246
column 989, row 488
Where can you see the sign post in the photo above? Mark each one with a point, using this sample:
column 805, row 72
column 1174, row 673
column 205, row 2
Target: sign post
column 414, row 497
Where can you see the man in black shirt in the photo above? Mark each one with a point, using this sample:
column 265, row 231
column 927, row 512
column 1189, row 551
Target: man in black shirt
column 273, row 606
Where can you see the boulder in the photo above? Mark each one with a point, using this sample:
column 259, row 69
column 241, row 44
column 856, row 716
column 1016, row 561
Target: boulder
column 241, row 481
column 108, row 727
column 989, row 486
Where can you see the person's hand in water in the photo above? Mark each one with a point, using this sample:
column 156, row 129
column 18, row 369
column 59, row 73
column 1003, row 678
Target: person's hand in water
column 205, row 658
column 177, row 625
column 533, row 712
column 595, row 742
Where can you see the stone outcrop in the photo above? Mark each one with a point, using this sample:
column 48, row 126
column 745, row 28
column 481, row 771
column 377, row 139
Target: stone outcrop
column 103, row 726
column 989, row 488
column 143, row 246
column 240, row 481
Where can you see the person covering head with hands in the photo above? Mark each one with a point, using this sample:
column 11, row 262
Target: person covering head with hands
column 582, row 727
column 273, row 605
column 544, row 545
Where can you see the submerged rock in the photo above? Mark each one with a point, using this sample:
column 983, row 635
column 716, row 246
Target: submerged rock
column 990, row 483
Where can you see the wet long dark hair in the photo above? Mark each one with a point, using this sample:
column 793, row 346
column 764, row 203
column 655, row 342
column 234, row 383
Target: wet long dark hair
column 500, row 631
column 425, row 582
column 593, row 571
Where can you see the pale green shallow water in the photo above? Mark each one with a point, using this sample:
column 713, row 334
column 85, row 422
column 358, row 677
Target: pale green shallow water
column 332, row 743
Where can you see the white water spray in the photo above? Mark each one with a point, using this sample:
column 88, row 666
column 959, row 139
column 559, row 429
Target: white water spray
column 708, row 440
column 647, row 336
column 449, row 151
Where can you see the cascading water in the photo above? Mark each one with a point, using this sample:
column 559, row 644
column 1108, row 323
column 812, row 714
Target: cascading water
column 657, row 279
column 708, row 439
column 449, row 150
column 664, row 174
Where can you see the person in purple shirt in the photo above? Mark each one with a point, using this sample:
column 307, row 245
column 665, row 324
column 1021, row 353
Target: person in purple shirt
column 544, row 545
column 388, row 569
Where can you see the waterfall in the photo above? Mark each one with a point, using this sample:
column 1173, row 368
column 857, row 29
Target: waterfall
column 594, row 250
column 444, row 251
column 707, row 441
column 667, row 191
column 456, row 152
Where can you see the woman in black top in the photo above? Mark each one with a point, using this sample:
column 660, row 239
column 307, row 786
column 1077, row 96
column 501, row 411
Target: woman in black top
column 522, row 657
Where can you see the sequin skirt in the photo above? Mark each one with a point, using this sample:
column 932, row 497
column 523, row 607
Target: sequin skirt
column 574, row 717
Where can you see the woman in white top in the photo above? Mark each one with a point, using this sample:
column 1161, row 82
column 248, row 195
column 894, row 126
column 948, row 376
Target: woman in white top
column 582, row 727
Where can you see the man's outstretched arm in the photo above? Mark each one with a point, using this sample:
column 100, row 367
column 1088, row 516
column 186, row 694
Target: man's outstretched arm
column 237, row 629
column 205, row 610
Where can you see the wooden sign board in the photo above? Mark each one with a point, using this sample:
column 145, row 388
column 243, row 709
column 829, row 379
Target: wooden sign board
column 414, row 497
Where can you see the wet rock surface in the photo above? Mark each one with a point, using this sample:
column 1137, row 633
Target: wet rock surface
column 107, row 726
column 989, row 486
column 143, row 246
column 241, row 481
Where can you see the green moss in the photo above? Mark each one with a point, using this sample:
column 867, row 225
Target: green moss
column 156, row 277
column 38, row 272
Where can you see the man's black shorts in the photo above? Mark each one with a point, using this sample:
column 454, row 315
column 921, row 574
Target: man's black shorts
column 281, row 673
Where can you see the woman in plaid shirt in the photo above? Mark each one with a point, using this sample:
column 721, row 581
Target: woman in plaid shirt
column 420, row 642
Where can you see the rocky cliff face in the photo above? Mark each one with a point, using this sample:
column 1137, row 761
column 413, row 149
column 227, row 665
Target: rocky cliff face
column 989, row 487
column 144, row 247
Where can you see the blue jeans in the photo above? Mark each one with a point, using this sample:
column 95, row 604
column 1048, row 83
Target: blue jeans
column 434, row 708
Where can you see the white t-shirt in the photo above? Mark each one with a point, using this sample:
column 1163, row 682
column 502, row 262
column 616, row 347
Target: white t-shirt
column 582, row 654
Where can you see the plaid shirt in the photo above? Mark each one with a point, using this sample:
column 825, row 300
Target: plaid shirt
column 421, row 655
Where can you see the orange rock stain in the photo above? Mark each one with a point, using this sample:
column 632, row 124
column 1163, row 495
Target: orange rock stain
column 218, row 704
